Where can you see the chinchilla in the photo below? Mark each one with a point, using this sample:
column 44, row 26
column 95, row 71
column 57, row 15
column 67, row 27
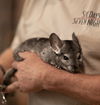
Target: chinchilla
column 63, row 54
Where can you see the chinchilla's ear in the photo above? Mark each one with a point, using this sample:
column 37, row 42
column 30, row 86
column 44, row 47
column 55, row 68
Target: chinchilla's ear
column 76, row 41
column 55, row 43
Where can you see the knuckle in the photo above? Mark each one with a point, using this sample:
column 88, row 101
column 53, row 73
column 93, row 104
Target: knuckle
column 14, row 64
column 18, row 66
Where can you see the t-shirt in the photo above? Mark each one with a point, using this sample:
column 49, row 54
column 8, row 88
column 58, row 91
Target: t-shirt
column 40, row 18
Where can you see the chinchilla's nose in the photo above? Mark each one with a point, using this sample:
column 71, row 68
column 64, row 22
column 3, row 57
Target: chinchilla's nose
column 75, row 69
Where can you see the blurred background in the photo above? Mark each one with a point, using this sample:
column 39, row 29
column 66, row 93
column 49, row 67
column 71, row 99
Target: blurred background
column 10, row 11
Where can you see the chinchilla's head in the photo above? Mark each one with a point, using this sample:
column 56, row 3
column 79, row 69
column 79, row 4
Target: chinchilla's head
column 68, row 53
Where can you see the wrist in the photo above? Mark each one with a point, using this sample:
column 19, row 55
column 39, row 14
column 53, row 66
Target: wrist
column 54, row 79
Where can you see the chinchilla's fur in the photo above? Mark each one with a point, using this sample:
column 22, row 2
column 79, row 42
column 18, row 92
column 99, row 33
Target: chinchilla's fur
column 63, row 54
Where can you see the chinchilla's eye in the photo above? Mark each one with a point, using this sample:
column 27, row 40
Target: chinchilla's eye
column 78, row 56
column 66, row 58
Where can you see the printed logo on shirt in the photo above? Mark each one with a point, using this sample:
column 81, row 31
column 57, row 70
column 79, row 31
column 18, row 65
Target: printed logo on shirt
column 89, row 18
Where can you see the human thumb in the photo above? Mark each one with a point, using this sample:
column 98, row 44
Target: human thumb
column 12, row 87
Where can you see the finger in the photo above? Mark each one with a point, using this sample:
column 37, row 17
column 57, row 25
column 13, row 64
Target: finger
column 8, row 76
column 12, row 87
column 15, row 64
column 26, row 54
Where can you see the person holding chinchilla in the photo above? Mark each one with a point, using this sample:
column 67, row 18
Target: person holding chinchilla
column 47, row 84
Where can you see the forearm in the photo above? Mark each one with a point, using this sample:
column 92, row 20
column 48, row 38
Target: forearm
column 6, row 58
column 39, row 75
column 82, row 87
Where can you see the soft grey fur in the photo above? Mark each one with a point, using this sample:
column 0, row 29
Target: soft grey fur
column 63, row 54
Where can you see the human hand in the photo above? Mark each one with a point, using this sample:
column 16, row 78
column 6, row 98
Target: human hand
column 30, row 75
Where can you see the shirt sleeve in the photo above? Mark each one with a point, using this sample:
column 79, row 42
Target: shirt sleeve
column 20, row 31
column 18, row 36
column 15, row 42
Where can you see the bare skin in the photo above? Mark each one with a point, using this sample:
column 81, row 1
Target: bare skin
column 33, row 76
column 6, row 60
